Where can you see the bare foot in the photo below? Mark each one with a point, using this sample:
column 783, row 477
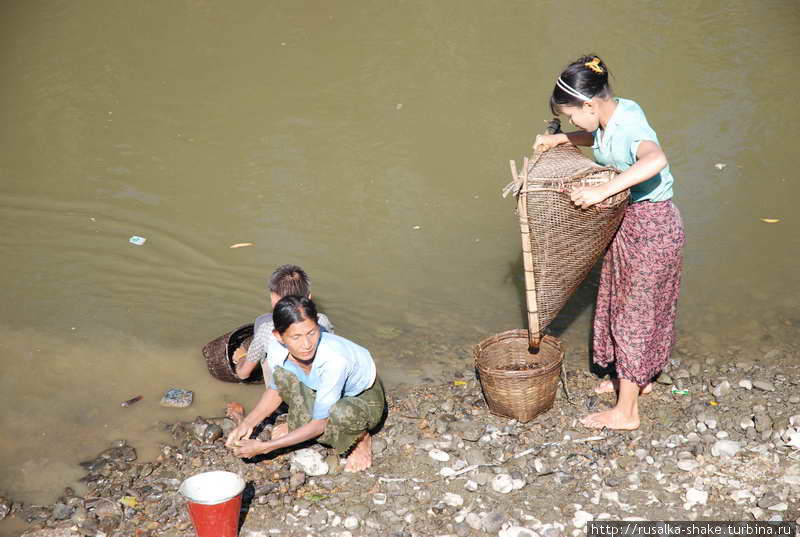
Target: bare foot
column 235, row 411
column 279, row 430
column 360, row 457
column 613, row 419
column 609, row 386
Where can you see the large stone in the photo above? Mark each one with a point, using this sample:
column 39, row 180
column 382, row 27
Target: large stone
column 177, row 398
column 309, row 462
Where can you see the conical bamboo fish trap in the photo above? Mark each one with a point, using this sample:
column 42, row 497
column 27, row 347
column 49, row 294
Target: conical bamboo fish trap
column 560, row 242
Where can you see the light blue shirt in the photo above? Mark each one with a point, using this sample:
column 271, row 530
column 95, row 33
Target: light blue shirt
column 340, row 369
column 617, row 144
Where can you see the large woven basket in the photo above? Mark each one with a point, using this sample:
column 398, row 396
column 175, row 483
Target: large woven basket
column 219, row 353
column 517, row 383
column 560, row 242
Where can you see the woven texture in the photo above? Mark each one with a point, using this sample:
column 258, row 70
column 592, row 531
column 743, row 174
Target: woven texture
column 516, row 383
column 218, row 354
column 565, row 240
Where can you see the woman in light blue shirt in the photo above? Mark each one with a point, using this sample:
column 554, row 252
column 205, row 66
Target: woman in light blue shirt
column 634, row 324
column 329, row 383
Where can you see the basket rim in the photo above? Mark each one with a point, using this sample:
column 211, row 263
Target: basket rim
column 518, row 333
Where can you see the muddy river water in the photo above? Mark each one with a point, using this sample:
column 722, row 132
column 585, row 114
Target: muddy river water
column 366, row 141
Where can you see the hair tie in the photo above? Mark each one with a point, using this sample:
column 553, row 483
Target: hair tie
column 594, row 65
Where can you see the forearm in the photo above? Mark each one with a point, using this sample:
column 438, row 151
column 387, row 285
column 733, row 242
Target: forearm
column 309, row 431
column 245, row 368
column 647, row 166
column 269, row 403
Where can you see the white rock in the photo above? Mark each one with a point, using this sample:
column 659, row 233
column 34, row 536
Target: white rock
column 794, row 439
column 764, row 385
column 453, row 500
column 581, row 518
column 471, row 485
column 351, row 523
column 309, row 462
column 742, row 495
column 379, row 498
column 711, row 423
column 438, row 455
column 503, row 483
column 746, row 424
column 695, row 497
column 747, row 384
column 447, row 472
column 782, row 506
column 688, row 465
column 518, row 483
column 725, row 448
column 517, row 531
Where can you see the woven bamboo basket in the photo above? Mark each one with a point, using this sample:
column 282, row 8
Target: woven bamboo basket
column 516, row 383
column 560, row 242
column 219, row 353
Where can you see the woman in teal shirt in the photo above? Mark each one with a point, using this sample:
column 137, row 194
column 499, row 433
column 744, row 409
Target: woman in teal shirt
column 634, row 323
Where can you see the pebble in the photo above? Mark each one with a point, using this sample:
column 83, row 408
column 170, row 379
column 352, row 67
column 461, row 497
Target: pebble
column 696, row 497
column 471, row 485
column 177, row 398
column 688, row 465
column 439, row 455
column 453, row 500
column 581, row 518
column 473, row 520
column 764, row 385
column 309, row 462
column 492, row 522
column 379, row 498
column 747, row 384
column 351, row 523
column 503, row 483
column 517, row 531
column 722, row 389
column 747, row 423
column 725, row 448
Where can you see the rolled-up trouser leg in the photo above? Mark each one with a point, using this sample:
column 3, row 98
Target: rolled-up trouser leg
column 350, row 417
column 297, row 396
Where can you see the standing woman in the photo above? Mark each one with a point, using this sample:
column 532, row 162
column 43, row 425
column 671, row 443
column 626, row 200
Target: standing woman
column 634, row 323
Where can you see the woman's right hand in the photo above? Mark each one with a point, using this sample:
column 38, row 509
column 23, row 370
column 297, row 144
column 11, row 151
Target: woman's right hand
column 545, row 142
column 241, row 432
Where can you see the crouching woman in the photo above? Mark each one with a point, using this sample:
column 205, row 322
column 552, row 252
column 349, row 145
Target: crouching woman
column 329, row 383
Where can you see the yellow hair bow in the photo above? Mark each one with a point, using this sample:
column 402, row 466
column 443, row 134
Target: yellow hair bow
column 594, row 65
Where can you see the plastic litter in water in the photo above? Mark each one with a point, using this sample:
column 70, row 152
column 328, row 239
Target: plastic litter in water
column 676, row 391
column 137, row 240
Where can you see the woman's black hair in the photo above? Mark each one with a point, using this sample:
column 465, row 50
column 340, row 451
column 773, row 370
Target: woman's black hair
column 587, row 75
column 293, row 309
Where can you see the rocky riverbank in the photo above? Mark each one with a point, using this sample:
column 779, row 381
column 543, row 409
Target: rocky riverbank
column 720, row 440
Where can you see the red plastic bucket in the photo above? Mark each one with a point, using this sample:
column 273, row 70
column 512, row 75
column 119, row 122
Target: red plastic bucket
column 214, row 500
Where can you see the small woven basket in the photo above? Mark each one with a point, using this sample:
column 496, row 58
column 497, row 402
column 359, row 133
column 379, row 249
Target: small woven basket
column 517, row 383
column 219, row 353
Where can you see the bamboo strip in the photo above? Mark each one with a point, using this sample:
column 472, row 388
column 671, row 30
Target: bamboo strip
column 534, row 337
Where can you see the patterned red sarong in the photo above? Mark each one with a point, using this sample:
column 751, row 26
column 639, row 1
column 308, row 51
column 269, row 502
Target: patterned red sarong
column 634, row 323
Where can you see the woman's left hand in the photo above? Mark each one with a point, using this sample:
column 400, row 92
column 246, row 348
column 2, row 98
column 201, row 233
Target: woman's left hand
column 250, row 448
column 586, row 196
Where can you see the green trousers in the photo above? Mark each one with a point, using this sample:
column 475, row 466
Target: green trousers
column 349, row 418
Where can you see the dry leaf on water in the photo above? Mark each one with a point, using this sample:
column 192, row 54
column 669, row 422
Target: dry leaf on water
column 770, row 220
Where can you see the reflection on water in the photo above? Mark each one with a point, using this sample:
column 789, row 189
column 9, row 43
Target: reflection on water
column 366, row 142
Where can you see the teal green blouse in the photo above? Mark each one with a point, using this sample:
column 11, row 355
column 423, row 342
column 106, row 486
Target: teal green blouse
column 616, row 145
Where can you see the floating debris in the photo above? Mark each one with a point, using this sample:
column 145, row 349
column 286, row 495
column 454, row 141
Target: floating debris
column 241, row 245
column 770, row 220
column 720, row 165
column 131, row 401
column 137, row 240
